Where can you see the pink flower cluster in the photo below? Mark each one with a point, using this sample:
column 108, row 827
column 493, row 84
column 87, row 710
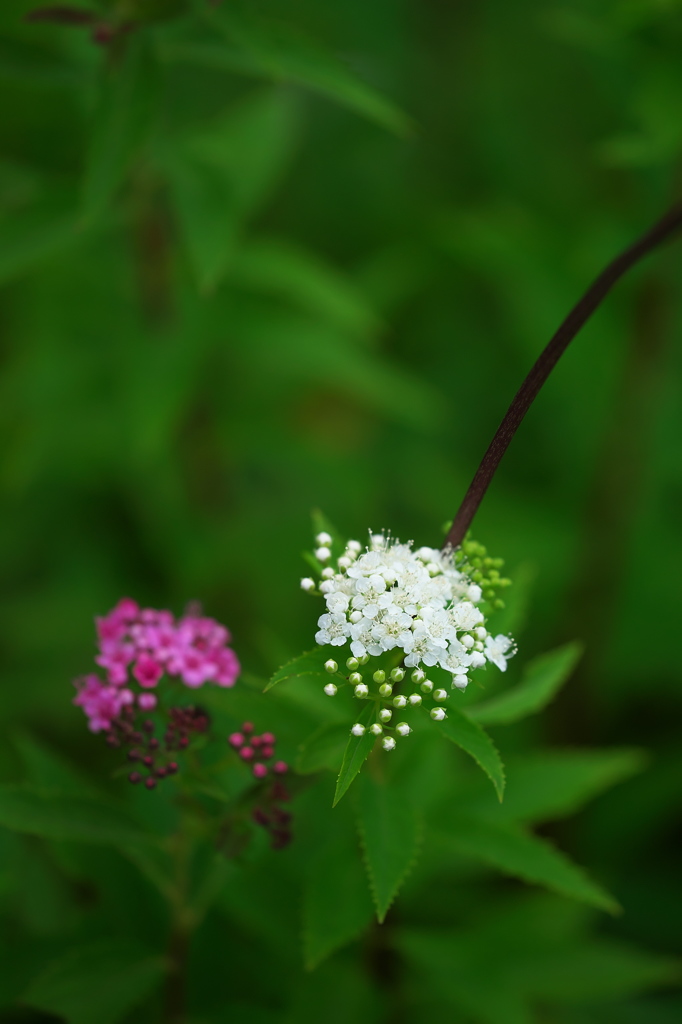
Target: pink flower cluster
column 257, row 749
column 138, row 645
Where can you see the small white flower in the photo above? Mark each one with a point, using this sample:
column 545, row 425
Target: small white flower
column 358, row 730
column 330, row 689
column 440, row 695
column 331, row 667
column 496, row 650
column 415, row 699
column 474, row 593
column 388, row 743
column 403, row 729
column 323, row 554
column 399, row 702
column 466, row 616
column 385, row 715
column 334, row 629
column 307, row 583
column 376, row 729
column 323, row 539
column 478, row 660
column 437, row 714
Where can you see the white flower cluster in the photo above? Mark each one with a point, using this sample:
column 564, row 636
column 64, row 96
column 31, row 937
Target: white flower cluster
column 389, row 596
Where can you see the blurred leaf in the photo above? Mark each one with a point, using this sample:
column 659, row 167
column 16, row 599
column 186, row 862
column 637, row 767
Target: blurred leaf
column 48, row 770
column 283, row 53
column 27, row 1015
column 23, row 809
column 311, row 663
column 276, row 266
column 357, row 751
column 336, row 903
column 555, row 783
column 120, row 123
column 468, row 735
column 324, row 749
column 523, row 855
column 390, row 835
column 98, row 983
column 35, row 233
column 542, row 679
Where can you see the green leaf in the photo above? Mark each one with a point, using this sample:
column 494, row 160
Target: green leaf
column 541, row 681
column 48, row 770
column 23, row 809
column 336, row 903
column 311, row 663
column 277, row 51
column 323, row 750
column 357, row 751
column 468, row 735
column 120, row 124
column 523, row 855
column 98, row 983
column 554, row 783
column 390, row 834
column 35, row 233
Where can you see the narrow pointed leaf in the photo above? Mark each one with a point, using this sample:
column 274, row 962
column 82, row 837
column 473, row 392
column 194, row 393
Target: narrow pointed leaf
column 323, row 750
column 89, row 821
column 311, row 663
column 358, row 750
column 542, row 679
column 524, row 855
column 390, row 835
column 468, row 735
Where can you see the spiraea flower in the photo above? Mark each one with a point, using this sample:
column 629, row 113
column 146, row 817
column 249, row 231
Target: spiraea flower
column 259, row 753
column 420, row 610
column 139, row 648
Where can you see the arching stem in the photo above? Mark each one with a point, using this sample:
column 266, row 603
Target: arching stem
column 579, row 315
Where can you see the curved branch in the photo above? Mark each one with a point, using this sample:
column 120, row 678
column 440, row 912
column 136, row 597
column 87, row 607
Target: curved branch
column 546, row 362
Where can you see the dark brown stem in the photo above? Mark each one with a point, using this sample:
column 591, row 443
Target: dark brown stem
column 548, row 359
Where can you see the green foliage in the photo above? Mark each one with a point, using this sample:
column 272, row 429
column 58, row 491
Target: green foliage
column 358, row 749
column 44, row 814
column 542, row 678
column 468, row 735
column 390, row 834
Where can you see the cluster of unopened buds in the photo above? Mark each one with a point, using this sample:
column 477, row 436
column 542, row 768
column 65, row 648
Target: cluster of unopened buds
column 258, row 751
column 156, row 757
column 421, row 605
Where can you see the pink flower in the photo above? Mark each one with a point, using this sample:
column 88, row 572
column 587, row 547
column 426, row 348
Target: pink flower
column 147, row 671
column 101, row 703
column 260, row 770
column 147, row 701
column 228, row 667
column 115, row 658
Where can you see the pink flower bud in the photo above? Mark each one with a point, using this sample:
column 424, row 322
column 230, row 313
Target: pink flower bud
column 267, row 752
column 281, row 767
column 260, row 771
column 256, row 741
column 247, row 727
column 269, row 738
column 246, row 753
column 147, row 701
column 236, row 739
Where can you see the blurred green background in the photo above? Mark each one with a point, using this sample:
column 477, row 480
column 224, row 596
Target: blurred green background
column 264, row 257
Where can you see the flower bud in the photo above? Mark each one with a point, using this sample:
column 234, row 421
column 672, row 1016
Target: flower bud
column 355, row 678
column 323, row 539
column 388, row 743
column 461, row 682
column 397, row 675
column 426, row 686
column 418, row 676
column 330, row 690
column 437, row 714
column 307, row 583
column 481, row 632
column 399, row 702
column 385, row 689
column 415, row 699
column 376, row 729
column 440, row 695
column 352, row 664
column 477, row 660
column 331, row 667
column 260, row 770
column 328, row 573
column 361, row 690
column 323, row 554
column 355, row 616
column 385, row 715
column 468, row 641
column 344, row 562
column 403, row 729
column 379, row 676
column 281, row 767
column 364, row 659
column 358, row 730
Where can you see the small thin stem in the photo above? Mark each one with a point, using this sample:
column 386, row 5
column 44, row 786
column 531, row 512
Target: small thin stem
column 546, row 362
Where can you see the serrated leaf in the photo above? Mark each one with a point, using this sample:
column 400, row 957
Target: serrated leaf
column 323, row 750
column 468, row 735
column 554, row 783
column 280, row 52
column 310, row 663
column 336, row 904
column 523, row 855
column 390, row 834
column 98, row 983
column 37, row 813
column 542, row 679
column 357, row 751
